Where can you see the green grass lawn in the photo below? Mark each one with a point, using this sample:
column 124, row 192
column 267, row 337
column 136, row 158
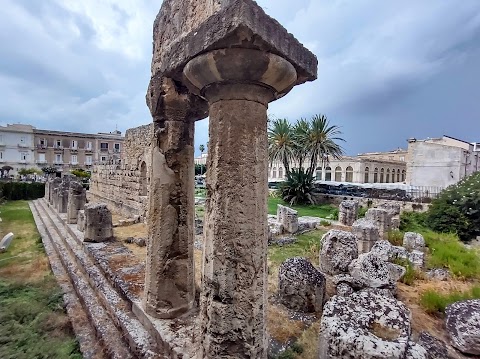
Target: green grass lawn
column 304, row 210
column 33, row 320
column 307, row 245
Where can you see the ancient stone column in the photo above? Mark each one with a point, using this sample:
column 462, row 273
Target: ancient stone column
column 76, row 201
column 170, row 280
column 238, row 84
column 98, row 223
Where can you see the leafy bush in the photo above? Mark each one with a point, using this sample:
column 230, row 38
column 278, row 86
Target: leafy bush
column 411, row 274
column 457, row 209
column 298, row 187
column 436, row 303
column 325, row 223
column 81, row 173
column 14, row 191
column 335, row 214
column 362, row 211
column 395, row 238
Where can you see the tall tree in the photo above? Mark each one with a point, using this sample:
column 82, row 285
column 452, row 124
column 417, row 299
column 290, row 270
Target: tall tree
column 281, row 143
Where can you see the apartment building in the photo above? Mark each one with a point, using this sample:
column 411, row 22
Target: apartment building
column 16, row 147
column 70, row 150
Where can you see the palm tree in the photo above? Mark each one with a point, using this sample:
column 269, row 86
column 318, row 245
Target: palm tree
column 281, row 143
column 321, row 142
column 202, row 149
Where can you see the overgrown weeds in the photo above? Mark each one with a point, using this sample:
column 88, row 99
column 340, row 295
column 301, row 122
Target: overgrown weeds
column 436, row 303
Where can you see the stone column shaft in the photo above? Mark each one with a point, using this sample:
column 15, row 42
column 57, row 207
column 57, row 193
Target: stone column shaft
column 234, row 275
column 169, row 281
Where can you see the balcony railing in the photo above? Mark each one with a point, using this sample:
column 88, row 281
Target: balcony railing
column 2, row 144
column 41, row 147
column 22, row 145
column 103, row 149
column 41, row 161
column 58, row 162
column 74, row 163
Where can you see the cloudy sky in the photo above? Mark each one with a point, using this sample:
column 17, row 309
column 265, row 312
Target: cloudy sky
column 388, row 70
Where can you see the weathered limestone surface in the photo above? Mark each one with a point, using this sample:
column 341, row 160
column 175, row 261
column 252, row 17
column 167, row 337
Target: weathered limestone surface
column 169, row 282
column 367, row 233
column 124, row 186
column 339, row 248
column 301, row 286
column 373, row 272
column 288, row 218
column 98, row 223
column 76, row 201
column 413, row 242
column 81, row 220
column 228, row 60
column 357, row 326
column 435, row 348
column 463, row 325
column 348, row 212
column 381, row 218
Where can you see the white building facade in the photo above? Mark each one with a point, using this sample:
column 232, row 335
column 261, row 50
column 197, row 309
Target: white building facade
column 440, row 162
column 16, row 147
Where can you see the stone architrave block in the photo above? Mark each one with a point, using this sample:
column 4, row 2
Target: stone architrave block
column 338, row 249
column 367, row 234
column 381, row 218
column 348, row 212
column 98, row 223
column 301, row 286
column 288, row 218
column 5, row 243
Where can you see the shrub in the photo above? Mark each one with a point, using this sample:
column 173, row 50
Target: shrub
column 436, row 303
column 298, row 187
column 325, row 223
column 334, row 214
column 80, row 173
column 14, row 191
column 362, row 211
column 411, row 274
column 395, row 237
column 457, row 209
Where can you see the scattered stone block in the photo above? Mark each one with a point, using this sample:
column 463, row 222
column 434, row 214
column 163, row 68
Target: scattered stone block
column 338, row 249
column 348, row 212
column 358, row 326
column 441, row 274
column 463, row 325
column 288, row 218
column 417, row 258
column 373, row 272
column 344, row 289
column 98, row 223
column 435, row 347
column 5, row 243
column 367, row 233
column 413, row 242
column 307, row 223
column 381, row 218
column 301, row 286
column 416, row 351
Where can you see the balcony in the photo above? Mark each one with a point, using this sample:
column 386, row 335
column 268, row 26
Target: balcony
column 2, row 144
column 74, row 163
column 116, row 150
column 2, row 160
column 103, row 149
column 22, row 145
column 41, row 162
column 58, row 163
column 41, row 147
column 88, row 163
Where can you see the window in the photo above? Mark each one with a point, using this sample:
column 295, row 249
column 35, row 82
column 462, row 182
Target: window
column 116, row 147
column 375, row 176
column 388, row 176
column 398, row 175
column 103, row 145
column 382, row 175
column 280, row 172
column 74, row 160
column 41, row 158
column 74, row 144
column 338, row 174
column 88, row 160
column 22, row 140
column 274, row 172
column 103, row 158
column 319, row 174
column 58, row 143
column 349, row 174
column 23, row 156
column 366, row 179
column 89, row 146
column 58, row 158
column 328, row 173
column 1, row 155
column 402, row 158
column 404, row 175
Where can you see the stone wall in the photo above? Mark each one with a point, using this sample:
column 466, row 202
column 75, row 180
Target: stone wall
column 124, row 186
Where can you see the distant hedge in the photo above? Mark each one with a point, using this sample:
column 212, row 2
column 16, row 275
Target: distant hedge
column 13, row 191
